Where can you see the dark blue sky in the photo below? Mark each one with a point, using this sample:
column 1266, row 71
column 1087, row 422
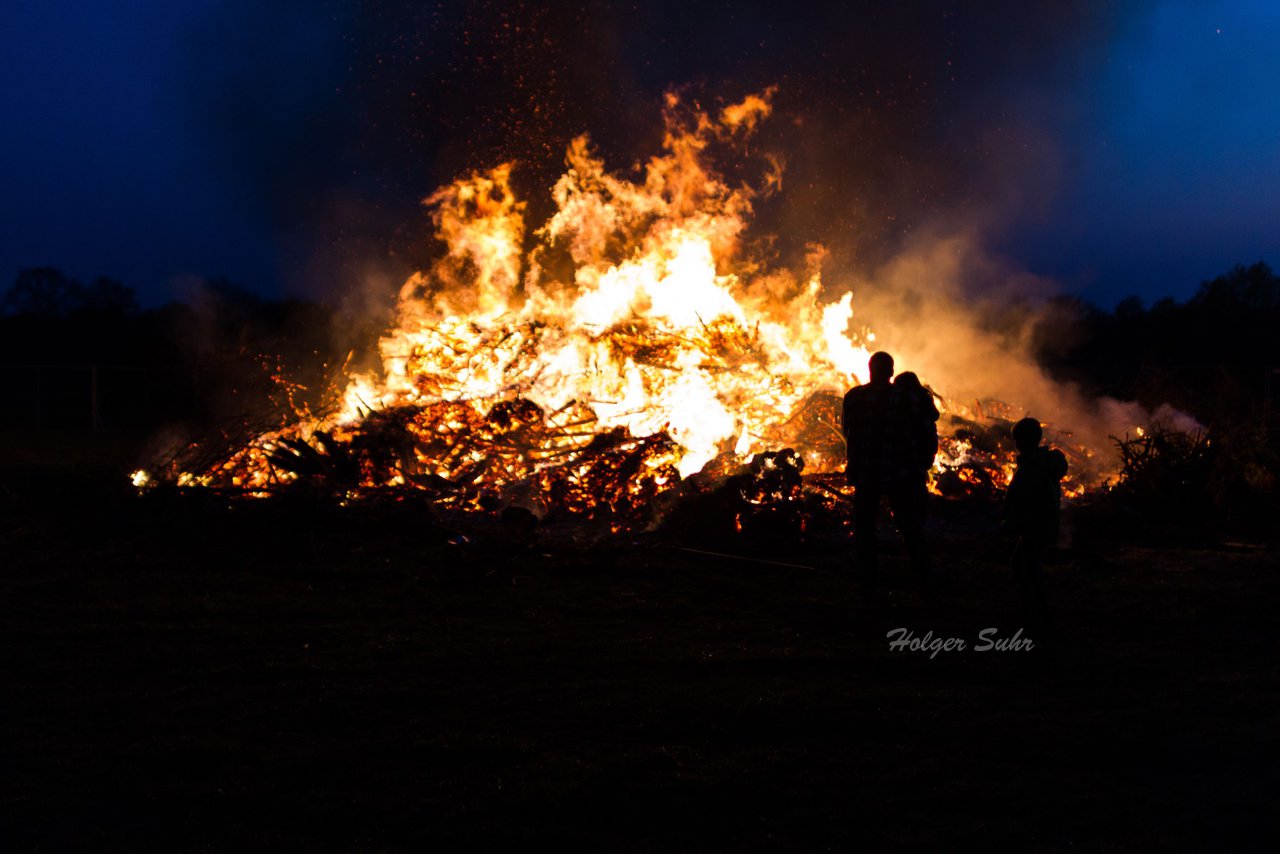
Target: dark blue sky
column 102, row 172
column 282, row 142
column 1173, row 165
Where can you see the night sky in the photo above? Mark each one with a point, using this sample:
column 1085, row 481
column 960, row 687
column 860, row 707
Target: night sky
column 286, row 145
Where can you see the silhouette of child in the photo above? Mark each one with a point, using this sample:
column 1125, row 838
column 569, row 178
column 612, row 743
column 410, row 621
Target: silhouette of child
column 1031, row 510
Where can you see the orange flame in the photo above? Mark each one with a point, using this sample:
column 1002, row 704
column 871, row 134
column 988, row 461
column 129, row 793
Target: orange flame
column 634, row 314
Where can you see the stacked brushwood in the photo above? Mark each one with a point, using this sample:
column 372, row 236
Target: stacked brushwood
column 1163, row 487
column 452, row 454
column 767, row 503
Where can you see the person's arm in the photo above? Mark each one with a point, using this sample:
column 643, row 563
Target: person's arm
column 930, row 408
column 847, row 415
column 1058, row 464
column 1011, row 517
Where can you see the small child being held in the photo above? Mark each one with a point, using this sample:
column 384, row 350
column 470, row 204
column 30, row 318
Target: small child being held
column 924, row 441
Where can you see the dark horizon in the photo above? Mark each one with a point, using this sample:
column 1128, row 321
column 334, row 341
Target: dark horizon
column 287, row 147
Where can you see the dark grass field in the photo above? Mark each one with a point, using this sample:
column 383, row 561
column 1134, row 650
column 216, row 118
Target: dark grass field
column 183, row 675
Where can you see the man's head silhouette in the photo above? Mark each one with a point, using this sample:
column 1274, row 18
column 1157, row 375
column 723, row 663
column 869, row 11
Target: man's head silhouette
column 1027, row 435
column 881, row 367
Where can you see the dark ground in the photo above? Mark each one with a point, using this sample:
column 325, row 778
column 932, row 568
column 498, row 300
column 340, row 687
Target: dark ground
column 180, row 676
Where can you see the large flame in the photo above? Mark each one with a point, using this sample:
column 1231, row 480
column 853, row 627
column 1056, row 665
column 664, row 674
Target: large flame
column 632, row 314
column 653, row 331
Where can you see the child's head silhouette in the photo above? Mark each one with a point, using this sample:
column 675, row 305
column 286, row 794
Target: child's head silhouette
column 1027, row 434
column 908, row 379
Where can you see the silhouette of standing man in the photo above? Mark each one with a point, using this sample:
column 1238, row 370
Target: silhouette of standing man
column 886, row 429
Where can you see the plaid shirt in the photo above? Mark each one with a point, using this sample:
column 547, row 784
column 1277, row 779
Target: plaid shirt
column 885, row 431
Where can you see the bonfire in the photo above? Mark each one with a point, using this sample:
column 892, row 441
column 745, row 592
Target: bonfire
column 626, row 349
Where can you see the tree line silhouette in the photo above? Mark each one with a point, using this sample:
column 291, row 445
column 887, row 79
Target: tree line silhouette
column 1213, row 356
column 197, row 362
column 217, row 357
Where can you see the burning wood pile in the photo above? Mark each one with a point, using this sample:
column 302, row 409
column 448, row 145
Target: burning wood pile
column 633, row 365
